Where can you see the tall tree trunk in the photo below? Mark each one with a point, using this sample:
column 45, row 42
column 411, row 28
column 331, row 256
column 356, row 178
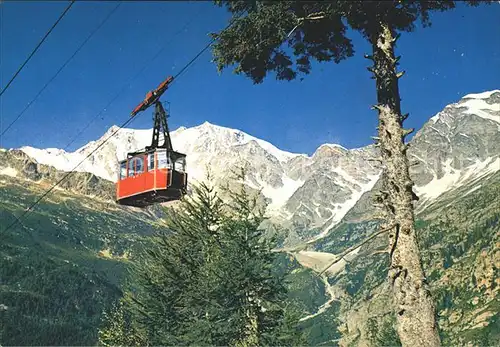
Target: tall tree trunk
column 414, row 308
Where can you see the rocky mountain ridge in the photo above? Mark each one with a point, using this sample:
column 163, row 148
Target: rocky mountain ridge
column 18, row 164
column 311, row 194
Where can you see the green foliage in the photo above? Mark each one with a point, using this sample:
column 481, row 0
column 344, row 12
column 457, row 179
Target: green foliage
column 457, row 237
column 363, row 275
column 254, row 41
column 459, row 233
column 382, row 332
column 209, row 280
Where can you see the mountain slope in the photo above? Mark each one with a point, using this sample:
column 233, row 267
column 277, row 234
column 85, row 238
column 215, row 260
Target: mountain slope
column 458, row 183
column 63, row 265
column 459, row 237
column 64, row 262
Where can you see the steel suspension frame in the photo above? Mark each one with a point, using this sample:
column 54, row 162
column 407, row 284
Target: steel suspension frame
column 160, row 126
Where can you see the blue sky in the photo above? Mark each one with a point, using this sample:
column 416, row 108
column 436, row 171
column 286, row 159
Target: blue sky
column 459, row 54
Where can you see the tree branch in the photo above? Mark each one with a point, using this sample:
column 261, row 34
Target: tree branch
column 312, row 16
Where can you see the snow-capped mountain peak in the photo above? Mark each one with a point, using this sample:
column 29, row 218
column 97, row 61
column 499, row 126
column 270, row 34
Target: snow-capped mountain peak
column 205, row 138
column 214, row 134
column 483, row 95
column 460, row 143
column 485, row 105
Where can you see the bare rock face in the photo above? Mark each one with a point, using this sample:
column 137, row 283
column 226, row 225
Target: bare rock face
column 334, row 178
column 20, row 165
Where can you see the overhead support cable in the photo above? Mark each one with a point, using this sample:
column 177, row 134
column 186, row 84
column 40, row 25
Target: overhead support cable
column 62, row 67
column 129, row 81
column 37, row 47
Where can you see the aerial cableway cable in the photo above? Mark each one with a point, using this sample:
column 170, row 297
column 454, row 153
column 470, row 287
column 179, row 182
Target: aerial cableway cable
column 30, row 208
column 133, row 78
column 62, row 67
column 36, row 48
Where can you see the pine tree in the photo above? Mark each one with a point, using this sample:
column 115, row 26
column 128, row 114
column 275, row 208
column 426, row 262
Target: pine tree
column 209, row 280
column 259, row 41
column 257, row 288
column 166, row 277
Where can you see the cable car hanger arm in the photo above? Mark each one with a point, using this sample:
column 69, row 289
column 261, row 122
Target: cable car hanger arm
column 160, row 115
column 153, row 96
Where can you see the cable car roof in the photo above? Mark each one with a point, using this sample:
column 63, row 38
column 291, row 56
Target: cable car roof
column 175, row 155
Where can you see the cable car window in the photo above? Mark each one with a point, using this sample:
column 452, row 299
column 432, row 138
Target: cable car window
column 139, row 165
column 151, row 161
column 123, row 170
column 163, row 160
column 131, row 163
column 180, row 165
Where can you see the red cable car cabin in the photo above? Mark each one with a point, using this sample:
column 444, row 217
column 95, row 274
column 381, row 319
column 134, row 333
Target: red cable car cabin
column 151, row 177
column 157, row 174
